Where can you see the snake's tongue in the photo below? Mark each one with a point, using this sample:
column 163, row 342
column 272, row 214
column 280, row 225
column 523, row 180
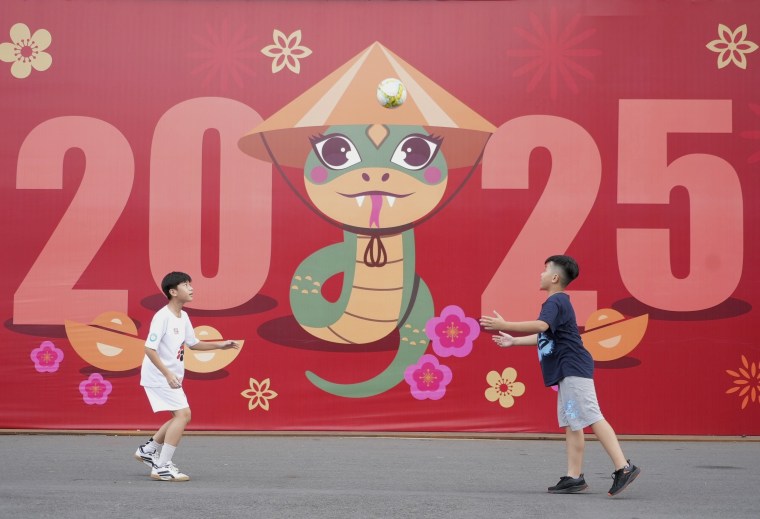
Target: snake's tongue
column 377, row 204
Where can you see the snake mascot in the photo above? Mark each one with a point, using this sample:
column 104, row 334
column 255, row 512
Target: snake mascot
column 376, row 181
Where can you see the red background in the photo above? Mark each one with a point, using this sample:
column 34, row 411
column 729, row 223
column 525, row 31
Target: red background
column 128, row 62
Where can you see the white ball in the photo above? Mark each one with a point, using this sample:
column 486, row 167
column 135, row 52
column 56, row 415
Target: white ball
column 391, row 93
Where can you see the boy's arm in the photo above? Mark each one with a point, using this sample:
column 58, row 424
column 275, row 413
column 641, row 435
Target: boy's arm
column 203, row 345
column 498, row 323
column 171, row 378
column 505, row 340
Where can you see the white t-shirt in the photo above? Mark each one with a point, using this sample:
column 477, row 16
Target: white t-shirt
column 168, row 335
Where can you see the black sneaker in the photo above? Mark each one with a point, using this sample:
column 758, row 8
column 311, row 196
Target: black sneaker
column 623, row 477
column 568, row 485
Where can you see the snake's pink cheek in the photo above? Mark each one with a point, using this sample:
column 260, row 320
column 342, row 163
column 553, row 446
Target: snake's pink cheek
column 318, row 175
column 432, row 175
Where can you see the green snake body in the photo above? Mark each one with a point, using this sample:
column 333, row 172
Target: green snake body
column 373, row 302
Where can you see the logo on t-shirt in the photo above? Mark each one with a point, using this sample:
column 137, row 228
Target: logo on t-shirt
column 152, row 337
column 176, row 331
column 545, row 346
column 181, row 352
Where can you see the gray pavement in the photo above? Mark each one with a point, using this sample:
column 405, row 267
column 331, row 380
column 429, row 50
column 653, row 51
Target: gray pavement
column 95, row 476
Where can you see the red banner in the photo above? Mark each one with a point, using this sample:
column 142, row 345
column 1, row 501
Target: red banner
column 351, row 185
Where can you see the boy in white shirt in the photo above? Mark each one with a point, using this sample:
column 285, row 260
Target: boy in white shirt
column 162, row 372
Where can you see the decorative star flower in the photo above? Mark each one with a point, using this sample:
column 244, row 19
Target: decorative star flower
column 259, row 394
column 26, row 51
column 428, row 378
column 224, row 54
column 504, row 387
column 46, row 357
column 732, row 47
column 554, row 51
column 95, row 389
column 452, row 334
column 746, row 382
column 286, row 51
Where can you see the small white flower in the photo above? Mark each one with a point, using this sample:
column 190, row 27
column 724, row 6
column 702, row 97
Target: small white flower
column 26, row 51
column 286, row 51
column 732, row 46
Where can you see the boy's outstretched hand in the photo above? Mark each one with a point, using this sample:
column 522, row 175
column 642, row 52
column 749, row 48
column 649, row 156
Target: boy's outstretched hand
column 493, row 323
column 504, row 340
column 230, row 344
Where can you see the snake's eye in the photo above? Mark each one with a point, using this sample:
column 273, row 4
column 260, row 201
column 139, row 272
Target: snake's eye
column 336, row 151
column 415, row 152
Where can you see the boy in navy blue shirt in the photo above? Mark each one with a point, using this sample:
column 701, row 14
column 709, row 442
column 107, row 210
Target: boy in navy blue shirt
column 566, row 363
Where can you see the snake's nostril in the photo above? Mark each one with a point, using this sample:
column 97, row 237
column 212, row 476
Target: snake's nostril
column 386, row 176
column 365, row 176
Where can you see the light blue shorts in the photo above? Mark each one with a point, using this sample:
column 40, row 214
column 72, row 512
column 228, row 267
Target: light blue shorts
column 577, row 406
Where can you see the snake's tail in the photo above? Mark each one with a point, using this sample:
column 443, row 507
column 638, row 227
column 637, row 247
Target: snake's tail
column 381, row 383
column 412, row 346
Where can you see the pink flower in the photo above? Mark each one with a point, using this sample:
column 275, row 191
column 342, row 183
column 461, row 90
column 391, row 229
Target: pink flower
column 95, row 389
column 427, row 379
column 452, row 333
column 46, row 358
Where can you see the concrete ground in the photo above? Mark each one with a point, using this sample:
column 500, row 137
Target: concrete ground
column 95, row 476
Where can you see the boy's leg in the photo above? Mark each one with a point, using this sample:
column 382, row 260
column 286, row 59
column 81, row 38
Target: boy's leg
column 150, row 451
column 606, row 435
column 176, row 426
column 574, row 481
column 625, row 472
column 575, row 444
column 174, row 431
column 160, row 436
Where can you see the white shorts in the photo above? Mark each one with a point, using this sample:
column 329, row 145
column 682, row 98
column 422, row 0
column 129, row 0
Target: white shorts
column 166, row 398
column 577, row 406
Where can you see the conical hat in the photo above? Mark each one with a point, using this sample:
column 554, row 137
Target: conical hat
column 348, row 96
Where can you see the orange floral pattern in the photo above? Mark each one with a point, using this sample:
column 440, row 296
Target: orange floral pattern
column 746, row 382
column 258, row 394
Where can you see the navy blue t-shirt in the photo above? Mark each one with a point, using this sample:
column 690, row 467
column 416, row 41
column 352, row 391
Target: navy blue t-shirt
column 560, row 348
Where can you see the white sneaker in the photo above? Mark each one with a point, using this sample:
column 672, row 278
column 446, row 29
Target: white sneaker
column 150, row 458
column 168, row 472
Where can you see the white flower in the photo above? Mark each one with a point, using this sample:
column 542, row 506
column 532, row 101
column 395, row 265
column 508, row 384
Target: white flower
column 286, row 51
column 732, row 46
column 26, row 51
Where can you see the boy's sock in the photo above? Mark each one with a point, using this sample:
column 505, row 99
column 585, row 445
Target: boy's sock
column 153, row 445
column 166, row 454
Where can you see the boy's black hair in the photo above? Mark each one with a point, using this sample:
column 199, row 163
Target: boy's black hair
column 173, row 280
column 568, row 268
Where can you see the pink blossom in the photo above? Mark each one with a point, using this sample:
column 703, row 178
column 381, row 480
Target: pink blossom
column 95, row 389
column 452, row 334
column 46, row 357
column 427, row 379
